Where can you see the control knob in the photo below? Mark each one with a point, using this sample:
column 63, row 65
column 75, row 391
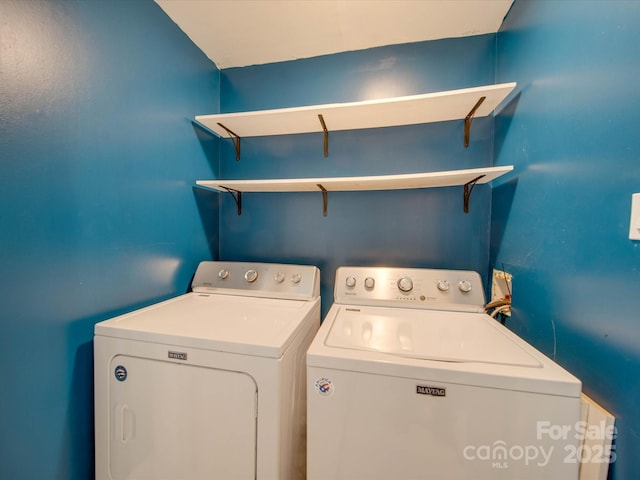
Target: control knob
column 464, row 286
column 443, row 285
column 369, row 283
column 350, row 282
column 405, row 284
column 279, row 278
column 223, row 274
column 251, row 276
column 295, row 278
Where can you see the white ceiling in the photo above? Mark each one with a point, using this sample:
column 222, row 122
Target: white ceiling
column 237, row 33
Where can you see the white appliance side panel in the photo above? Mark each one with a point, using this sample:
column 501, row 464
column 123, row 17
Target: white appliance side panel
column 373, row 427
column 293, row 404
column 177, row 421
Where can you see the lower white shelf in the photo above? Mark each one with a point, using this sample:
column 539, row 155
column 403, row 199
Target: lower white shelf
column 384, row 182
column 467, row 178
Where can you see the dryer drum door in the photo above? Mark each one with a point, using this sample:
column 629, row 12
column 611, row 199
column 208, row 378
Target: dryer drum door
column 177, row 421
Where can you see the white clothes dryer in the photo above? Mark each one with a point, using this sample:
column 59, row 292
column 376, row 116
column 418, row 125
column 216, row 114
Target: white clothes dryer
column 210, row 384
column 409, row 379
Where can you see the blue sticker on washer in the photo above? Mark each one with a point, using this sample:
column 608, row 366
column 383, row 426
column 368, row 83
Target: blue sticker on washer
column 121, row 373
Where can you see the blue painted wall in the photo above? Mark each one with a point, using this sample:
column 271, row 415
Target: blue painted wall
column 98, row 156
column 560, row 225
column 405, row 228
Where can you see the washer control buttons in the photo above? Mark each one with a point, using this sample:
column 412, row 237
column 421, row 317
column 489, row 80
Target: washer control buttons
column 464, row 286
column 251, row 276
column 369, row 283
column 295, row 278
column 443, row 285
column 350, row 282
column 223, row 274
column 279, row 278
column 405, row 284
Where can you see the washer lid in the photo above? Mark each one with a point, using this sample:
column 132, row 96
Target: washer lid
column 427, row 335
column 246, row 325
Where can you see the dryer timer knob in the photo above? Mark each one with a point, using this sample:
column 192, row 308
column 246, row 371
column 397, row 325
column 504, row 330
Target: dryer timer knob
column 223, row 274
column 464, row 286
column 251, row 276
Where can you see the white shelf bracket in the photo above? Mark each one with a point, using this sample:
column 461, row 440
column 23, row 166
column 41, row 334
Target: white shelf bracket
column 235, row 139
column 468, row 118
column 326, row 135
column 325, row 199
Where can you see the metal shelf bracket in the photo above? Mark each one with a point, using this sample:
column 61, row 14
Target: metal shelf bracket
column 237, row 197
column 326, row 135
column 235, row 139
column 468, row 118
column 325, row 199
column 468, row 187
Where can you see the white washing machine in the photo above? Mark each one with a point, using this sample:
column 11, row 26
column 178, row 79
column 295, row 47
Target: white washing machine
column 409, row 379
column 210, row 384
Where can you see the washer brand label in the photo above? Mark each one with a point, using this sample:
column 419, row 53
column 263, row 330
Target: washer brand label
column 433, row 391
column 177, row 355
column 324, row 387
column 121, row 373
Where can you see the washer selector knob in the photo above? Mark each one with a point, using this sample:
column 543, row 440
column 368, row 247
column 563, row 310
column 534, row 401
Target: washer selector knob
column 443, row 285
column 295, row 278
column 369, row 283
column 350, row 282
column 464, row 286
column 279, row 278
column 223, row 274
column 251, row 276
column 405, row 284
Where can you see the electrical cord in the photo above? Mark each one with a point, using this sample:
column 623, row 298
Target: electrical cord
column 500, row 309
column 497, row 303
column 499, row 306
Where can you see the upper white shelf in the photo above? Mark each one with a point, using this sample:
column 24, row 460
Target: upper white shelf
column 409, row 110
column 383, row 182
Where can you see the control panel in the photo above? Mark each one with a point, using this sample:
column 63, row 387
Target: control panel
column 272, row 280
column 456, row 290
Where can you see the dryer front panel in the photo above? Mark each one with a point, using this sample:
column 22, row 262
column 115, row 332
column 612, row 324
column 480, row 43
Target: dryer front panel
column 177, row 421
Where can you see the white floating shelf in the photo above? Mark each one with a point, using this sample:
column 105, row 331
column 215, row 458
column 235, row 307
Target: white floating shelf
column 409, row 110
column 385, row 182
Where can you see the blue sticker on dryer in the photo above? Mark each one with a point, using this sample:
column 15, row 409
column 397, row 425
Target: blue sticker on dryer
column 120, row 373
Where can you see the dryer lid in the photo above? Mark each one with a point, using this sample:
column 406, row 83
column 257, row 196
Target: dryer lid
column 226, row 323
column 428, row 335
